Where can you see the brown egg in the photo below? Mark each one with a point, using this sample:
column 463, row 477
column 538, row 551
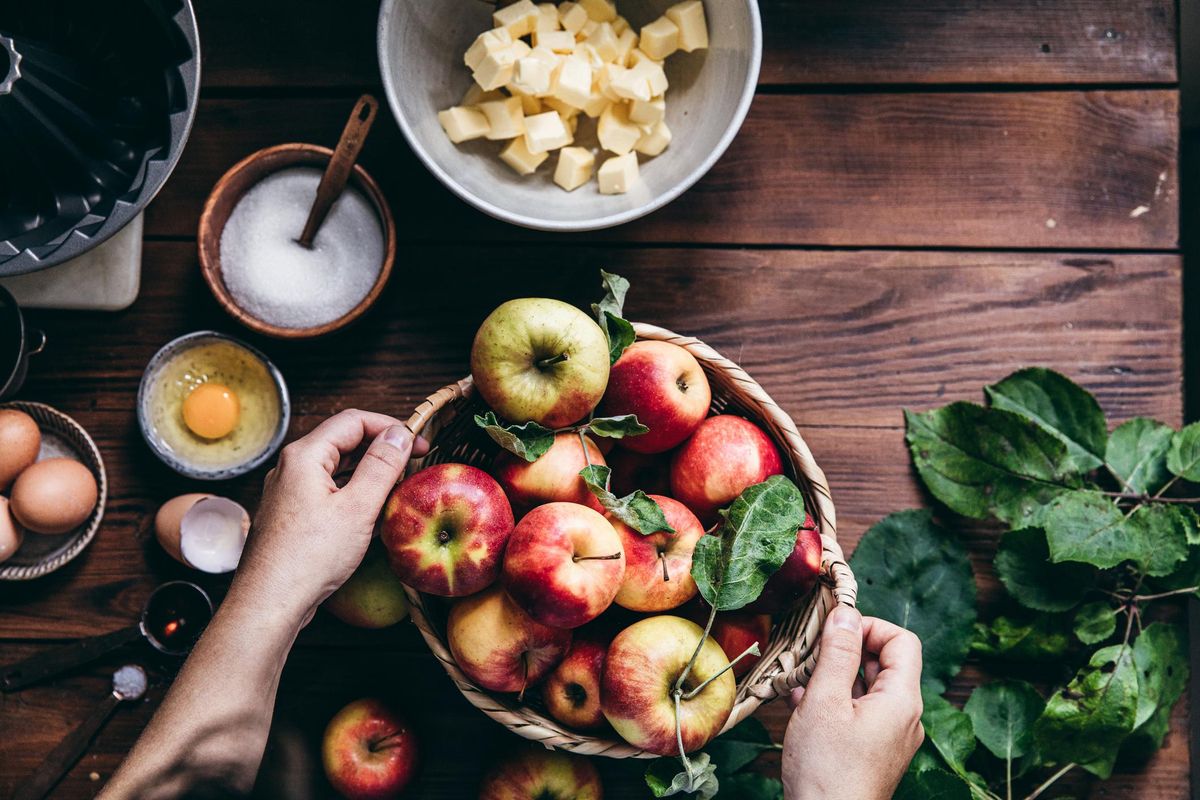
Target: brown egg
column 54, row 496
column 19, row 443
column 10, row 534
column 169, row 519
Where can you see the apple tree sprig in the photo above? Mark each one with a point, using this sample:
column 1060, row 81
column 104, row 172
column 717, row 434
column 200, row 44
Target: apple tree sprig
column 531, row 441
column 609, row 314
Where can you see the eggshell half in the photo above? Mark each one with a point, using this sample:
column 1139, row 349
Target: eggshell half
column 168, row 520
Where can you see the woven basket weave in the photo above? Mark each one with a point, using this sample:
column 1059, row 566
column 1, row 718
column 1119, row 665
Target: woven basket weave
column 446, row 419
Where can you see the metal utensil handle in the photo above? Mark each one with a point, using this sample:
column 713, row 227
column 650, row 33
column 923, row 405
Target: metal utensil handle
column 52, row 662
column 69, row 750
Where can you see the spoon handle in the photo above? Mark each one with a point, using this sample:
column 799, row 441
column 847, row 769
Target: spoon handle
column 60, row 659
column 69, row 750
column 333, row 182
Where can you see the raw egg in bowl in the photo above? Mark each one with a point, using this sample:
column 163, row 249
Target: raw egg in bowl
column 212, row 407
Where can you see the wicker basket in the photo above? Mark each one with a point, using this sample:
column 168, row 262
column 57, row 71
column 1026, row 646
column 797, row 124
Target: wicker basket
column 446, row 419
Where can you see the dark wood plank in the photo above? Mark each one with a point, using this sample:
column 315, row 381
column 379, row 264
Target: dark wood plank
column 807, row 42
column 1061, row 170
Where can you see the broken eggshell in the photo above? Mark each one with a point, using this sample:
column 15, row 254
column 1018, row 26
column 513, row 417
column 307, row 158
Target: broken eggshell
column 203, row 531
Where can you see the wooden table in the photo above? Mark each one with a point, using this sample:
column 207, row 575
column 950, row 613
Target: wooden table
column 925, row 196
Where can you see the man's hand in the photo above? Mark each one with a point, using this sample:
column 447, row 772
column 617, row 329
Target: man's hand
column 309, row 535
column 851, row 737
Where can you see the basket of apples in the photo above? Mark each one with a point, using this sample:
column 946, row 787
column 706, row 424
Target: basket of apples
column 618, row 545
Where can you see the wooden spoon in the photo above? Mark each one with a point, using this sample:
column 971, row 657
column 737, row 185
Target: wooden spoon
column 333, row 182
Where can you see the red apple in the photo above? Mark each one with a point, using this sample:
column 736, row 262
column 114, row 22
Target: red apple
column 796, row 578
column 665, row 387
column 736, row 632
column 541, row 774
column 646, row 471
column 552, row 478
column 722, row 458
column 373, row 597
column 572, row 692
column 445, row 528
column 658, row 567
column 498, row 645
column 640, row 671
column 564, row 564
column 369, row 751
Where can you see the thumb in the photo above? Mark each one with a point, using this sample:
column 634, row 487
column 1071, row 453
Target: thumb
column 840, row 656
column 381, row 467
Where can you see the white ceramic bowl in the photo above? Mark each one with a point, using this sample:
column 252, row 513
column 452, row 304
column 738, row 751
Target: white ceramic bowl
column 421, row 44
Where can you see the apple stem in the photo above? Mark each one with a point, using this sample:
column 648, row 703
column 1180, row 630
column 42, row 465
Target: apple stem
column 524, row 678
column 612, row 557
column 712, row 617
column 752, row 650
column 550, row 362
column 386, row 741
column 666, row 576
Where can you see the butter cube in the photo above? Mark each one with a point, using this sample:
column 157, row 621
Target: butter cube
column 496, row 69
column 648, row 113
column 587, row 30
column 564, row 110
column 573, row 85
column 604, row 41
column 517, row 156
column 629, row 84
column 519, row 19
column 575, row 166
column 464, row 124
column 588, row 53
column 546, row 56
column 596, row 103
column 659, row 39
column 600, row 10
column 520, row 49
column 654, row 74
column 688, row 16
column 627, row 42
column 474, row 96
column 572, row 123
column 655, row 142
column 486, row 42
column 574, row 18
column 555, row 41
column 616, row 133
column 533, row 77
column 547, row 18
column 505, row 118
column 620, row 25
column 545, row 132
column 618, row 174
column 529, row 104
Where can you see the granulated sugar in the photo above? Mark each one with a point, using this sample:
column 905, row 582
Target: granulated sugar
column 281, row 283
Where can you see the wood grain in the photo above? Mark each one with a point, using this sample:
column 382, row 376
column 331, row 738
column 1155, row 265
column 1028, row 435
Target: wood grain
column 807, row 42
column 999, row 170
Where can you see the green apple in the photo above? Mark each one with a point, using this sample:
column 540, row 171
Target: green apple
column 540, row 360
column 373, row 597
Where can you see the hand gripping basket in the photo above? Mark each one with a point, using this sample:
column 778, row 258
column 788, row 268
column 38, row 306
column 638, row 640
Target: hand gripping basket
column 446, row 419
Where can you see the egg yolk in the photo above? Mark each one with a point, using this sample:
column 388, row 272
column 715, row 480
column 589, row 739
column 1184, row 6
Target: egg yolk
column 211, row 411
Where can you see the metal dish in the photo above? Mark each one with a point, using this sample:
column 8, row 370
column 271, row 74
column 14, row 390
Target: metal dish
column 17, row 344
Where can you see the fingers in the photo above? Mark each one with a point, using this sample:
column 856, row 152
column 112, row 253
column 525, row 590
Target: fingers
column 840, row 656
column 899, row 659
column 339, row 434
column 795, row 697
column 381, row 467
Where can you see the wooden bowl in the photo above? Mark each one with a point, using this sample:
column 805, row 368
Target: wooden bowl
column 234, row 184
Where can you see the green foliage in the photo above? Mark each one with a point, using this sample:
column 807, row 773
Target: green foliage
column 1036, row 638
column 665, row 779
column 1095, row 622
column 616, row 427
column 1060, row 407
column 738, row 747
column 1002, row 714
column 751, row 786
column 529, row 441
column 932, row 784
column 1024, row 566
column 950, row 731
column 638, row 510
column 609, row 313
column 1137, row 454
column 1183, row 457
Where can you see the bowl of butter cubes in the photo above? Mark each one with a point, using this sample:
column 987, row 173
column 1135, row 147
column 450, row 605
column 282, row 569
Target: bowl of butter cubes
column 575, row 115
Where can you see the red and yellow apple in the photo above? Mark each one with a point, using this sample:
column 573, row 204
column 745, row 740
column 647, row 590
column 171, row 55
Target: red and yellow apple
column 643, row 664
column 445, row 528
column 658, row 567
column 564, row 564
column 552, row 478
column 665, row 387
column 724, row 457
column 373, row 597
column 540, row 360
column 540, row 774
column 572, row 692
column 736, row 631
column 369, row 751
column 796, row 578
column 650, row 472
column 498, row 645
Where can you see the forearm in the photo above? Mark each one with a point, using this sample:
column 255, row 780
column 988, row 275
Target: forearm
column 212, row 727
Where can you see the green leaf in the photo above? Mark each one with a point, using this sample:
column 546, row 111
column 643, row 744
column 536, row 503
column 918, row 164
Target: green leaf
column 751, row 786
column 1061, row 407
column 1095, row 622
column 529, row 441
column 638, row 510
column 1160, row 655
column 917, row 575
column 665, row 778
column 1161, row 532
column 620, row 335
column 932, row 784
column 950, row 731
column 987, row 462
column 1024, row 566
column 739, row 746
column 1040, row 637
column 757, row 534
column 1137, row 454
column 610, row 312
column 617, row 427
column 1086, row 722
column 1183, row 457
column 1087, row 526
column 1002, row 714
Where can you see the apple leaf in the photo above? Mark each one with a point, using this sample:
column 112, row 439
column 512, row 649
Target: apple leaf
column 617, row 427
column 932, row 784
column 665, row 779
column 1061, row 407
column 988, row 462
column 638, row 510
column 916, row 574
column 756, row 535
column 740, row 746
column 1041, row 637
column 1086, row 721
column 1003, row 713
column 1137, row 454
column 751, row 786
column 529, row 441
column 1161, row 658
column 950, row 731
column 1024, row 567
column 1095, row 622
column 1183, row 457
column 610, row 314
